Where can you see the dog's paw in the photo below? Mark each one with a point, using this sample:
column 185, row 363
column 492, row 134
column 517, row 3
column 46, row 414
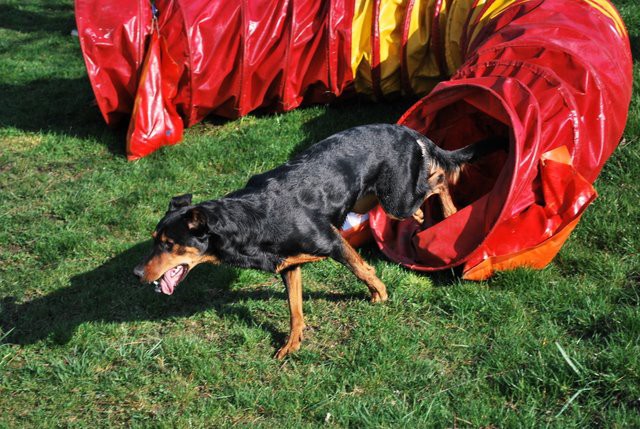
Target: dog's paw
column 376, row 297
column 293, row 345
column 287, row 349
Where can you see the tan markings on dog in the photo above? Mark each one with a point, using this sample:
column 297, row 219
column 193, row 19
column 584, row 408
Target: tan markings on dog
column 159, row 264
column 418, row 216
column 439, row 184
column 302, row 258
column 196, row 219
column 365, row 204
column 448, row 207
column 293, row 281
column 364, row 272
column 453, row 176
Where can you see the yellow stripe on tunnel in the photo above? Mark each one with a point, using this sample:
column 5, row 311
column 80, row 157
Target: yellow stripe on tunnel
column 422, row 64
column 455, row 30
column 390, row 27
column 361, row 45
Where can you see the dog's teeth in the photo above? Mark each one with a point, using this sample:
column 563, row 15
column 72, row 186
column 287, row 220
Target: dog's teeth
column 155, row 282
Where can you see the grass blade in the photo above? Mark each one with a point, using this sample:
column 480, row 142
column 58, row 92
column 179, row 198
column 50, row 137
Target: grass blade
column 573, row 398
column 567, row 359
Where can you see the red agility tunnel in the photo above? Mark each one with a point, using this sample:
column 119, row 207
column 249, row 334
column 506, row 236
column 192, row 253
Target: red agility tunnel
column 552, row 75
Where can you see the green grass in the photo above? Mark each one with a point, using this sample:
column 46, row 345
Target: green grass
column 90, row 347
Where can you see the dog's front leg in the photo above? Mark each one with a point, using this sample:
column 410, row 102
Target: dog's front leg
column 292, row 278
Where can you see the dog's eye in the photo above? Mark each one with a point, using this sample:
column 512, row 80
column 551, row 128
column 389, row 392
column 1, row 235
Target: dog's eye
column 168, row 245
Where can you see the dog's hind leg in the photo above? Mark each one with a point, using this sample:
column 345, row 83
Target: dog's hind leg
column 292, row 278
column 448, row 208
column 439, row 184
column 418, row 216
column 348, row 256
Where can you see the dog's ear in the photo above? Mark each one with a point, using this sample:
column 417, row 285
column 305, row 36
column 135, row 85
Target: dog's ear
column 179, row 202
column 197, row 221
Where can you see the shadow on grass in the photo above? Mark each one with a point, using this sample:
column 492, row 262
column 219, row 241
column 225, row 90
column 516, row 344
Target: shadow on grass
column 635, row 47
column 59, row 106
column 54, row 18
column 111, row 294
column 56, row 105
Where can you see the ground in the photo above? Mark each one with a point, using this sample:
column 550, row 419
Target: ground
column 89, row 346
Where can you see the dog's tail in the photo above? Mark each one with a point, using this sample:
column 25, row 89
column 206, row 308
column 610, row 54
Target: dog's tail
column 475, row 151
column 452, row 161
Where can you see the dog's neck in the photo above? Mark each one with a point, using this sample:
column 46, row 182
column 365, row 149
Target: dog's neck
column 235, row 231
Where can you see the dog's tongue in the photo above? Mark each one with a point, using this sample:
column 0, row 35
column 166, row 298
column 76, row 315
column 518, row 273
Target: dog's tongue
column 170, row 279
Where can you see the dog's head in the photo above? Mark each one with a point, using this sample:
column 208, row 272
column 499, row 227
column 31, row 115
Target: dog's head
column 180, row 242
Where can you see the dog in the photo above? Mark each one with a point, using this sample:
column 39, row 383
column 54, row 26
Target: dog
column 290, row 215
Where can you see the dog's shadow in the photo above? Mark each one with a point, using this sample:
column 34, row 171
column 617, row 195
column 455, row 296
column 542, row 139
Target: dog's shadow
column 111, row 294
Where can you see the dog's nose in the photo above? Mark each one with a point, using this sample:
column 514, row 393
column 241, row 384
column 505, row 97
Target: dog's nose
column 138, row 271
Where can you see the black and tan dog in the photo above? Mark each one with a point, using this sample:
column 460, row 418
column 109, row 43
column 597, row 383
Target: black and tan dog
column 290, row 215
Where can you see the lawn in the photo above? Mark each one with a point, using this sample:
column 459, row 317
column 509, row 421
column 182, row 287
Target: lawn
column 85, row 345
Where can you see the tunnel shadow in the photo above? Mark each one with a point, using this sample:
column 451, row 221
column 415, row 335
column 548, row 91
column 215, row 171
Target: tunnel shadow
column 54, row 18
column 52, row 104
column 635, row 48
column 111, row 294
column 59, row 106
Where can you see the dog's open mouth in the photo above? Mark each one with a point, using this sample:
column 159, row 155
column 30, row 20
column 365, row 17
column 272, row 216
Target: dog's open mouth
column 169, row 280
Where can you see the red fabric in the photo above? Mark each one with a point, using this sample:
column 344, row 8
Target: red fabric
column 267, row 54
column 112, row 36
column 154, row 121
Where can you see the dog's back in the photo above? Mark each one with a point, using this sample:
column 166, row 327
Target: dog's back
column 329, row 177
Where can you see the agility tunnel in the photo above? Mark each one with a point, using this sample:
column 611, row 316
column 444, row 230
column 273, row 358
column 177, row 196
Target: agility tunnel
column 553, row 76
